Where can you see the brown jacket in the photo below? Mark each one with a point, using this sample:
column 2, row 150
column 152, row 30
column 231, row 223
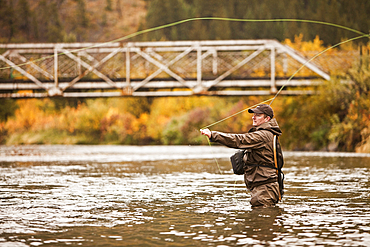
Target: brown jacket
column 259, row 156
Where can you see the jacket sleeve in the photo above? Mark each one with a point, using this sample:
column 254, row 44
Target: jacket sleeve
column 253, row 140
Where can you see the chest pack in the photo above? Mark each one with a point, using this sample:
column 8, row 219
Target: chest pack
column 238, row 164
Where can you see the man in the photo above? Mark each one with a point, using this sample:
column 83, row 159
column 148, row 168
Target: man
column 260, row 176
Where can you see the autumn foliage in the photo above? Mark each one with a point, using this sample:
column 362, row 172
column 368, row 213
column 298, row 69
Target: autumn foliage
column 337, row 118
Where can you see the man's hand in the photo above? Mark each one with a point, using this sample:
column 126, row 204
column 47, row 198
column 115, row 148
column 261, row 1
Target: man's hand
column 206, row 132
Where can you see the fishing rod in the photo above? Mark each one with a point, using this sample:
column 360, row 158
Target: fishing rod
column 273, row 98
column 290, row 78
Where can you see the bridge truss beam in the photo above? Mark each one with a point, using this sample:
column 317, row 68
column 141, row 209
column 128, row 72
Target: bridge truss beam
column 171, row 68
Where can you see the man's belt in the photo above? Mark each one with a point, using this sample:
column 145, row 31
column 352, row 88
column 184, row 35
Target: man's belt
column 256, row 184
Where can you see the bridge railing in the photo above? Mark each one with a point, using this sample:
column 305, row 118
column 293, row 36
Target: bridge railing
column 171, row 68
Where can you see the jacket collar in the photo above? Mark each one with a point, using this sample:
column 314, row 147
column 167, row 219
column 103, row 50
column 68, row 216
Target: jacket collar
column 271, row 126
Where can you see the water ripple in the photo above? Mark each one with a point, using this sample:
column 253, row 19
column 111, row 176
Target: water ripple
column 64, row 199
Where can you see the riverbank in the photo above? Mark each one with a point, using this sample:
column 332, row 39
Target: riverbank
column 336, row 119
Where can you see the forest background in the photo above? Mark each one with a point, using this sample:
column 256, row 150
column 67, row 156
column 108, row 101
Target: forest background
column 335, row 119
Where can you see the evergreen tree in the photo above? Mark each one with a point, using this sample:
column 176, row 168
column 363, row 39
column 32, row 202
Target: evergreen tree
column 24, row 18
column 212, row 29
column 354, row 14
column 7, row 20
column 80, row 21
column 343, row 12
column 40, row 21
column 155, row 17
column 174, row 10
column 220, row 30
column 49, row 27
column 237, row 9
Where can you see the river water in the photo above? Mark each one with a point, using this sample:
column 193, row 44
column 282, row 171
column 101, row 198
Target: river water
column 176, row 196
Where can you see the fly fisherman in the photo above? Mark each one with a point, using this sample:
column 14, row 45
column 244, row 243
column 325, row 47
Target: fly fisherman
column 260, row 176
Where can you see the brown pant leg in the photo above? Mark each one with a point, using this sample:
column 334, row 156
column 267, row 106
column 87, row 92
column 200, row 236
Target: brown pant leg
column 266, row 195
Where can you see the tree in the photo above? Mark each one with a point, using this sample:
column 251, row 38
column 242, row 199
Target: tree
column 237, row 9
column 49, row 27
column 80, row 20
column 108, row 6
column 7, row 108
column 175, row 10
column 343, row 12
column 24, row 18
column 7, row 20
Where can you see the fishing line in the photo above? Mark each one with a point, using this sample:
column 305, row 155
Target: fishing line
column 233, row 115
column 272, row 99
column 219, row 169
column 317, row 55
column 189, row 20
column 290, row 78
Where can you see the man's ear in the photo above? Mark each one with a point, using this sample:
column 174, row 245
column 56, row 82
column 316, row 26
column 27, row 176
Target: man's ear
column 268, row 118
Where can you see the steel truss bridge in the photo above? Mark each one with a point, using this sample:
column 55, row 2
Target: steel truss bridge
column 173, row 68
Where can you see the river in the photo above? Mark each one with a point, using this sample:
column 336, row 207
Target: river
column 176, row 196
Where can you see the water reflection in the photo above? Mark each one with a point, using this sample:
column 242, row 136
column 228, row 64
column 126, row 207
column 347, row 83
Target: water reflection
column 90, row 200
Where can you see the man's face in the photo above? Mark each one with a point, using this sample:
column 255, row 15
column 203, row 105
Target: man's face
column 259, row 118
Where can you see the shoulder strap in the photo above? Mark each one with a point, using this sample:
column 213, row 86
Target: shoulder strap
column 275, row 153
column 275, row 161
